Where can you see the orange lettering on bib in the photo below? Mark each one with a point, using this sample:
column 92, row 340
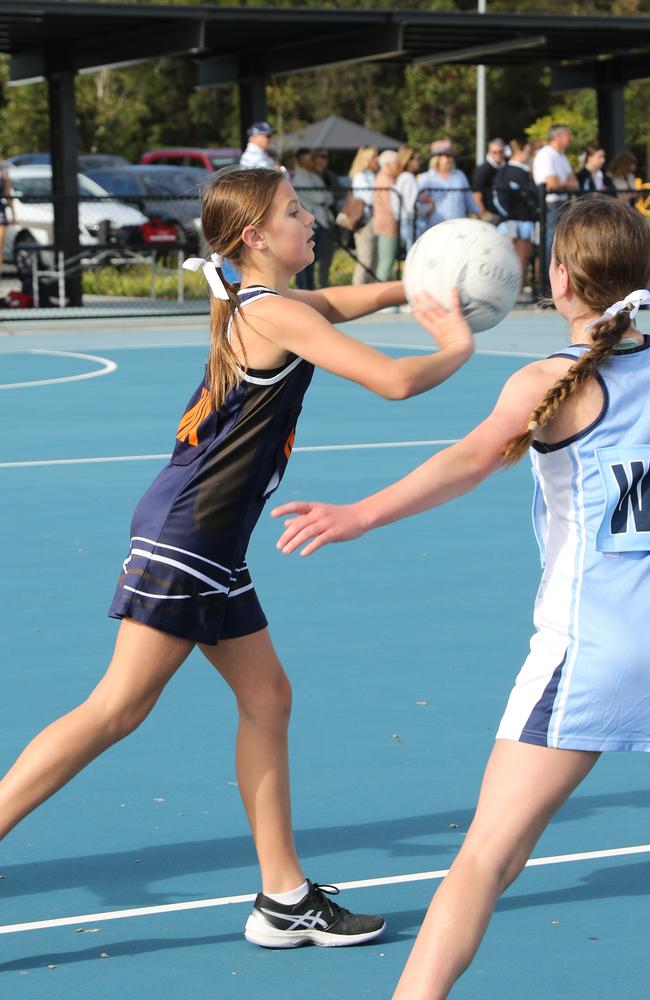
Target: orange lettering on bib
column 190, row 421
column 288, row 447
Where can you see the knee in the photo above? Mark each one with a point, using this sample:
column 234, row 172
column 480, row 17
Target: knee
column 116, row 717
column 269, row 703
column 492, row 865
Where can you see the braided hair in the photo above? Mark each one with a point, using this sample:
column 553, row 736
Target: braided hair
column 605, row 246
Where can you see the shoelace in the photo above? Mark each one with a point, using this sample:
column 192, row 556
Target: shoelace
column 331, row 890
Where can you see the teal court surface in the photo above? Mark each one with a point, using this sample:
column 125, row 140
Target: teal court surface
column 136, row 880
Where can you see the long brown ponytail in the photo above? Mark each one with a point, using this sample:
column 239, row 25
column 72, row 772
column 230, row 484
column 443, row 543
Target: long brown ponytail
column 235, row 199
column 605, row 246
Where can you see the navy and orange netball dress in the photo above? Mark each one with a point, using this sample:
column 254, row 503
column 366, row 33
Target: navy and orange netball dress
column 186, row 572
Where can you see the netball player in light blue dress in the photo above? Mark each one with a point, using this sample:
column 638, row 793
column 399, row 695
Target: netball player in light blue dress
column 585, row 687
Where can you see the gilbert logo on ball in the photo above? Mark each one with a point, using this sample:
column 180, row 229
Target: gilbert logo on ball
column 472, row 256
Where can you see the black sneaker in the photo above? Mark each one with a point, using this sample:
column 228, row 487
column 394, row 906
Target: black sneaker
column 314, row 920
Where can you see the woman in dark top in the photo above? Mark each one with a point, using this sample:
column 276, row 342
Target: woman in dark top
column 593, row 176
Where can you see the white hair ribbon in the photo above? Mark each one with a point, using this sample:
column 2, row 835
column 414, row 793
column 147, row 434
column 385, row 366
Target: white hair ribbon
column 636, row 299
column 212, row 276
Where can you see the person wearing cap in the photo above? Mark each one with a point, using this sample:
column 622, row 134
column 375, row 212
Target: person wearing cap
column 259, row 140
column 443, row 190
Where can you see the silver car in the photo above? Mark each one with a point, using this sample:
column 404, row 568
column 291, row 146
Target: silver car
column 33, row 215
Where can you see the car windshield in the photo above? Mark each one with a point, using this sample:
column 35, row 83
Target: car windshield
column 175, row 183
column 40, row 187
column 119, row 183
column 222, row 161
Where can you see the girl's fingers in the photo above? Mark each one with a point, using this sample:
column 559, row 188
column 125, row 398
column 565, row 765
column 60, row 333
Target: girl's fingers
column 316, row 544
column 291, row 530
column 307, row 533
column 456, row 305
column 293, row 507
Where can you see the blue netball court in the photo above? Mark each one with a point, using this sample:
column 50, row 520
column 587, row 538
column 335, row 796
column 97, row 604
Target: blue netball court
column 136, row 879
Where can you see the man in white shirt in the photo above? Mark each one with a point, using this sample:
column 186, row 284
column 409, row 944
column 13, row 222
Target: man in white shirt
column 259, row 140
column 552, row 168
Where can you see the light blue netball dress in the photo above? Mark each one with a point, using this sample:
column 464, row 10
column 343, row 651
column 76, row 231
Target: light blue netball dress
column 586, row 682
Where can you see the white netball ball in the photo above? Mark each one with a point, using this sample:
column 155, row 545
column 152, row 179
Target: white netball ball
column 473, row 257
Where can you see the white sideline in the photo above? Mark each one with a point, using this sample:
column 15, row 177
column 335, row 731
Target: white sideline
column 108, row 366
column 199, row 904
column 165, row 457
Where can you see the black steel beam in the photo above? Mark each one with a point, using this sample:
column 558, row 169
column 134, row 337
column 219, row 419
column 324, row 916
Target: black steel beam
column 602, row 72
column 121, row 49
column 65, row 192
column 218, row 71
column 342, row 46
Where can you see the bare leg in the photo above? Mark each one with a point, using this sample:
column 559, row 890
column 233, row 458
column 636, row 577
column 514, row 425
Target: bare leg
column 252, row 669
column 143, row 661
column 523, row 249
column 522, row 788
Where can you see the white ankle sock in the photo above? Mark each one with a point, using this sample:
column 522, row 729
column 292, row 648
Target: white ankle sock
column 291, row 897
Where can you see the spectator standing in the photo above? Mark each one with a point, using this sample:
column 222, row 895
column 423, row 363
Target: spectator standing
column 362, row 172
column 443, row 190
column 328, row 236
column 592, row 177
column 314, row 196
column 484, row 177
column 622, row 170
column 515, row 199
column 551, row 167
column 256, row 152
column 406, row 185
column 386, row 213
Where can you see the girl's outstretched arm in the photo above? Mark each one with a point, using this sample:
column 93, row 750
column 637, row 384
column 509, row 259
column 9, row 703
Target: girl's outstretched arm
column 341, row 303
column 297, row 328
column 446, row 475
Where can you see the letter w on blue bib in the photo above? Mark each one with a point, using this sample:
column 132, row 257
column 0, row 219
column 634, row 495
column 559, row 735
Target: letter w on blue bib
column 625, row 474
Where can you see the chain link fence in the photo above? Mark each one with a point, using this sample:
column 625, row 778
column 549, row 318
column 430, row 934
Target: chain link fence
column 131, row 249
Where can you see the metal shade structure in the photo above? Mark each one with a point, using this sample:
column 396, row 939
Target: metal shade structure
column 334, row 132
column 56, row 39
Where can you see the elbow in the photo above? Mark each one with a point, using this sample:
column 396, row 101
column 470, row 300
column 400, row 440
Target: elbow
column 399, row 388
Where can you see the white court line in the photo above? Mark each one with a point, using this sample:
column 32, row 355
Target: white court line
column 149, row 458
column 106, row 369
column 424, row 347
column 427, row 348
column 200, row 904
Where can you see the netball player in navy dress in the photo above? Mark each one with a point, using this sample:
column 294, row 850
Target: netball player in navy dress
column 185, row 580
column 585, row 687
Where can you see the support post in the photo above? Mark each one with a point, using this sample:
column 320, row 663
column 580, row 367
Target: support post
column 65, row 192
column 252, row 97
column 611, row 118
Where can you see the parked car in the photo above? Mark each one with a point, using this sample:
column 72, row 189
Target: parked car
column 33, row 215
column 28, row 159
column 172, row 194
column 189, row 156
column 85, row 160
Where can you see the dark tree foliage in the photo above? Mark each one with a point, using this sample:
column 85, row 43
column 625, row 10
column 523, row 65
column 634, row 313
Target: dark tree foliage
column 156, row 103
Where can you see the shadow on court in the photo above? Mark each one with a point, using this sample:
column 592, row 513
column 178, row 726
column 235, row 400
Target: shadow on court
column 117, row 950
column 124, row 878
column 600, row 883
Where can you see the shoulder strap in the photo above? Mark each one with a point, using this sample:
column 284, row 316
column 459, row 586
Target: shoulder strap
column 253, row 294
